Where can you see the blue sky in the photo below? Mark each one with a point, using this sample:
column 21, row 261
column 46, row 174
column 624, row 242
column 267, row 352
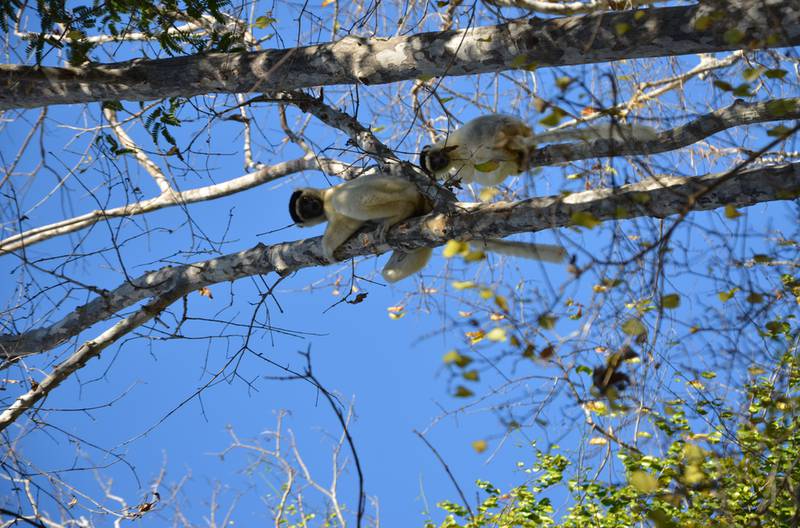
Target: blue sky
column 391, row 370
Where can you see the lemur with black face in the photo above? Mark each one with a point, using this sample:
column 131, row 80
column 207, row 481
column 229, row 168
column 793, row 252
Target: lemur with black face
column 491, row 147
column 388, row 200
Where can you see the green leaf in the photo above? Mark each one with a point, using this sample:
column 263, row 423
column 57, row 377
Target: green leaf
column 547, row 321
column 733, row 36
column 553, row 118
column 584, row 219
column 779, row 131
column 728, row 295
column 755, row 298
column 633, row 327
column 702, row 23
column 519, row 61
column 775, row 74
column 471, row 375
column 670, row 301
column 463, row 392
column 722, row 85
column 264, row 21
column 488, row 166
column 751, row 74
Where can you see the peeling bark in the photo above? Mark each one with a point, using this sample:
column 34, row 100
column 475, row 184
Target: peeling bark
column 536, row 43
column 659, row 197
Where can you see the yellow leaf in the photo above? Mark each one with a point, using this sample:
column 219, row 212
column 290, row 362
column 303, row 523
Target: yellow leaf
column 470, row 375
column 326, row 3
column 564, row 82
column 643, row 482
column 474, row 256
column 596, row 407
column 396, row 309
column 731, row 212
column 501, row 302
column 460, row 360
column 620, row 28
column 496, row 334
column 598, row 440
column 697, row 384
column 727, row 295
column 496, row 316
column 205, row 292
column 396, row 316
column 479, row 446
column 453, row 248
column 486, row 293
column 463, row 285
column 487, row 193
column 476, row 337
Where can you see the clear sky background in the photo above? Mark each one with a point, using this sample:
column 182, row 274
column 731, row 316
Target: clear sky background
column 148, row 416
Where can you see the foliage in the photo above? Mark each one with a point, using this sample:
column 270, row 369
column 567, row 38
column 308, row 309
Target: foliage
column 741, row 471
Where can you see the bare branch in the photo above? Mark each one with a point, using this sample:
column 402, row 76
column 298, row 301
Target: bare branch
column 210, row 192
column 567, row 41
column 143, row 159
column 88, row 350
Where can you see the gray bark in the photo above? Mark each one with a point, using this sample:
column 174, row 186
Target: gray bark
column 594, row 38
column 665, row 196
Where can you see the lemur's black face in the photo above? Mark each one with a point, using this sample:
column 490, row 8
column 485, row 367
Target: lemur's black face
column 434, row 160
column 306, row 208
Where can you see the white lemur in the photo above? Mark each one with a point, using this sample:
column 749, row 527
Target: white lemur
column 491, row 147
column 347, row 206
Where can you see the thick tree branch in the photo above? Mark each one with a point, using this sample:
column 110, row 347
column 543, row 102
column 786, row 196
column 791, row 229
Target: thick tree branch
column 738, row 114
column 660, row 197
column 561, row 7
column 566, row 41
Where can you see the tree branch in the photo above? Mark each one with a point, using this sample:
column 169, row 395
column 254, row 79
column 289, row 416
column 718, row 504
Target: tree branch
column 593, row 38
column 659, row 197
column 738, row 114
column 168, row 199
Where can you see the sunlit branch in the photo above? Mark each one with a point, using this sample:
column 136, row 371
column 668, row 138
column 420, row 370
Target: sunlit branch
column 572, row 8
column 738, row 114
column 659, row 197
column 538, row 43
column 143, row 159
column 169, row 199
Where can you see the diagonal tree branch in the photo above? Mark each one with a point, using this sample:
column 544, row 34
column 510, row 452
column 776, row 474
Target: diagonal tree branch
column 665, row 196
column 739, row 113
column 169, row 199
column 588, row 39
